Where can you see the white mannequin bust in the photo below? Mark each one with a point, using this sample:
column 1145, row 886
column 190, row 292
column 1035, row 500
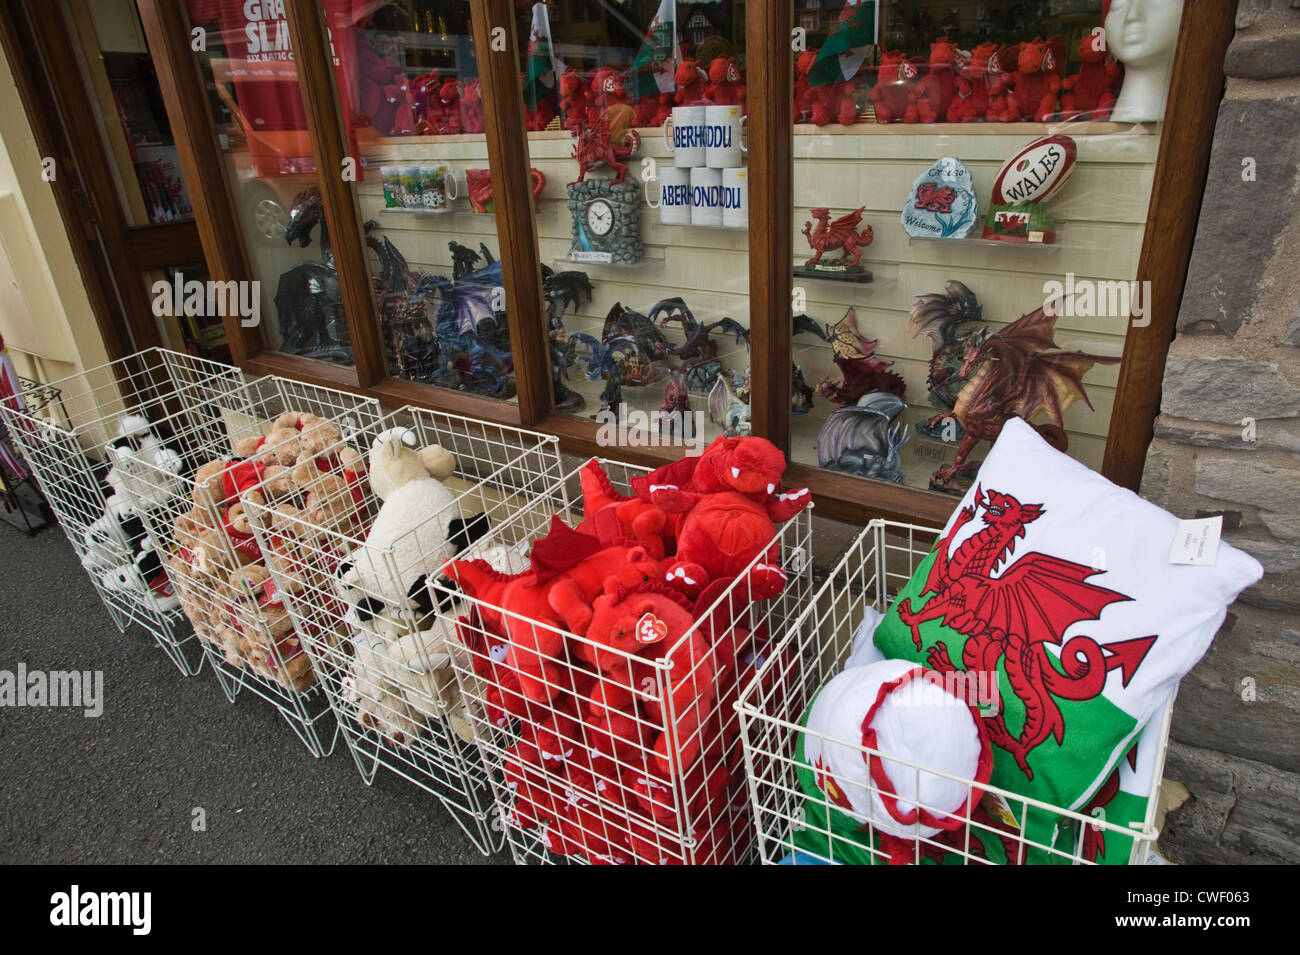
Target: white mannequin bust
column 1142, row 35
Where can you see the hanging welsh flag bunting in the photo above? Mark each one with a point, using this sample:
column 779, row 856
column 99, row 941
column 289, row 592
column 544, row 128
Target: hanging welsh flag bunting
column 656, row 62
column 850, row 40
column 542, row 66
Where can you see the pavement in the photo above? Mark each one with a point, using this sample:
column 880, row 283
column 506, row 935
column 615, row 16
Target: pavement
column 123, row 787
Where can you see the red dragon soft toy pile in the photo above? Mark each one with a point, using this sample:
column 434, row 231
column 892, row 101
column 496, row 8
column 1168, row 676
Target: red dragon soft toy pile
column 622, row 649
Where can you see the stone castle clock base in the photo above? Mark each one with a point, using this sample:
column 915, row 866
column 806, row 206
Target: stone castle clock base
column 621, row 245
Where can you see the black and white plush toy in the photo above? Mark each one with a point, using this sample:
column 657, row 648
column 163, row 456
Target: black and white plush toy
column 145, row 474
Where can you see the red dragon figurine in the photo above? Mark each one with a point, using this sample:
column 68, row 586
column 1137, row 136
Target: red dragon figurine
column 610, row 141
column 840, row 234
column 1019, row 372
column 478, row 188
column 1014, row 616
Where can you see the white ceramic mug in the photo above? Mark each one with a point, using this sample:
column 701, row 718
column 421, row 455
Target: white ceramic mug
column 684, row 136
column 706, row 196
column 439, row 188
column 724, row 132
column 674, row 196
column 735, row 198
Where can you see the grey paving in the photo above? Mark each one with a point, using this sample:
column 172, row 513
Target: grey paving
column 121, row 788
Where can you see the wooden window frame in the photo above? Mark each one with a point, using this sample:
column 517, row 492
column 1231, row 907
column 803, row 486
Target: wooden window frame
column 1196, row 87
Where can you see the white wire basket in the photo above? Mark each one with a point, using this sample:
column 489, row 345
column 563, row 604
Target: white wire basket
column 88, row 451
column 363, row 608
column 796, row 823
column 273, row 438
column 634, row 758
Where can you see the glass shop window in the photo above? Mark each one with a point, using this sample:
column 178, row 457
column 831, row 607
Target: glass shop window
column 253, row 90
column 971, row 186
column 636, row 113
column 410, row 95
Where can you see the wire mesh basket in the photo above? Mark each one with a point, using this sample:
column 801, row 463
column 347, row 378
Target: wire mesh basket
column 89, row 449
column 600, row 754
column 273, row 439
column 389, row 678
column 797, row 822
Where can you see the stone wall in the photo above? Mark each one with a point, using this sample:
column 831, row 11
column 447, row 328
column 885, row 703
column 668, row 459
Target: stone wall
column 1228, row 442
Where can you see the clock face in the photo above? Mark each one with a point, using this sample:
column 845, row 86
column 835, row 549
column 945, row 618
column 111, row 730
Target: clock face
column 600, row 217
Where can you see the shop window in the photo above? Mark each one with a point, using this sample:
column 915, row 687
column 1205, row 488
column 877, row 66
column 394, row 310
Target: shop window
column 986, row 161
column 636, row 119
column 412, row 99
column 122, row 93
column 247, row 65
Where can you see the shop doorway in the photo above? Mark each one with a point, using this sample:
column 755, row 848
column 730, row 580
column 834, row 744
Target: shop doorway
column 86, row 76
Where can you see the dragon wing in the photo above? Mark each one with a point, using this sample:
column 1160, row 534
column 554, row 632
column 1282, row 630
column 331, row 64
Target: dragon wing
column 844, row 226
column 934, row 313
column 1039, row 597
column 802, row 323
column 1053, row 381
column 719, row 400
column 729, row 324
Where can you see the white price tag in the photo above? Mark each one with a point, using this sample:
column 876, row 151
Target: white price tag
column 1197, row 542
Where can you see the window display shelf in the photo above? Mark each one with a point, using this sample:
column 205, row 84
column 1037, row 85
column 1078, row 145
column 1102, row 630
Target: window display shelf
column 653, row 257
column 974, row 240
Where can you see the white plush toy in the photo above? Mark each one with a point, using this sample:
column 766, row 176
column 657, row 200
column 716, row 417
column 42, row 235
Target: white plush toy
column 398, row 678
column 896, row 708
column 144, row 475
column 418, row 529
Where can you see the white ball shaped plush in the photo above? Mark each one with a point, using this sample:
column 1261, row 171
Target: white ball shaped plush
column 892, row 708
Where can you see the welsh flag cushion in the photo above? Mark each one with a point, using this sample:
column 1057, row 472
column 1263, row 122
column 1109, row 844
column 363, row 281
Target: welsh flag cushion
column 1060, row 583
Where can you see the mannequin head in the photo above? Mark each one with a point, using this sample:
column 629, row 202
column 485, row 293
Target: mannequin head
column 1142, row 35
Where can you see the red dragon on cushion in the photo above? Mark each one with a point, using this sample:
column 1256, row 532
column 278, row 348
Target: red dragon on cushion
column 1014, row 616
column 841, row 234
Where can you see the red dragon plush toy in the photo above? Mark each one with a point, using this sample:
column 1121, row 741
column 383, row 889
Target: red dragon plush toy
column 935, row 92
column 568, row 570
column 1036, row 83
column 575, row 100
column 607, row 89
column 1090, row 93
column 471, row 102
column 894, row 95
column 726, row 85
column 691, row 82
